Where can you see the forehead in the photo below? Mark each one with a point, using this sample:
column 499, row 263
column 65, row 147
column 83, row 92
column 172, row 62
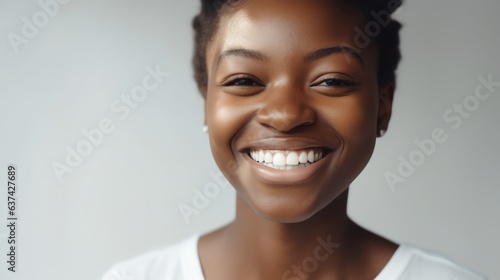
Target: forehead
column 286, row 27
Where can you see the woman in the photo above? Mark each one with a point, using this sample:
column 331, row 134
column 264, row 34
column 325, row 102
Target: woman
column 296, row 93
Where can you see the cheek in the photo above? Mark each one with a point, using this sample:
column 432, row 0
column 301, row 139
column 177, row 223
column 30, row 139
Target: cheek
column 226, row 117
column 351, row 115
column 354, row 118
column 362, row 120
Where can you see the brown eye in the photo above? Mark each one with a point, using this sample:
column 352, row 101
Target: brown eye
column 242, row 85
column 335, row 84
column 331, row 82
column 242, row 82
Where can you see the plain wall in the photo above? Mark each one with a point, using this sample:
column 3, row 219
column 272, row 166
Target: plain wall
column 123, row 198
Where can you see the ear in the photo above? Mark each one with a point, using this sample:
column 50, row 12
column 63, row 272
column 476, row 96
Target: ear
column 386, row 96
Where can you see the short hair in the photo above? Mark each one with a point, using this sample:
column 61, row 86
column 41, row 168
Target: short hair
column 206, row 22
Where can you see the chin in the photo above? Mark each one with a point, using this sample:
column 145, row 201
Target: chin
column 290, row 208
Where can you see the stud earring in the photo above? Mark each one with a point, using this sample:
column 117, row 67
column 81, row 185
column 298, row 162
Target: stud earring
column 381, row 132
column 204, row 129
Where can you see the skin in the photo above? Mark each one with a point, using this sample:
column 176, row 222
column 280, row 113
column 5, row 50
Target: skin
column 281, row 93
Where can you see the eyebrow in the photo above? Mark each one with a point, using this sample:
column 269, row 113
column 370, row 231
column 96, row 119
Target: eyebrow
column 324, row 52
column 242, row 53
column 315, row 55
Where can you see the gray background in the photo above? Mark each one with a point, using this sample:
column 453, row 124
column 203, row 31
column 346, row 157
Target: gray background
column 123, row 198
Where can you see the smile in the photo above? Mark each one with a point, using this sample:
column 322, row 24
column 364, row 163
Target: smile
column 286, row 160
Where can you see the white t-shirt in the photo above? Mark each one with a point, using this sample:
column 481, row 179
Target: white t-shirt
column 181, row 262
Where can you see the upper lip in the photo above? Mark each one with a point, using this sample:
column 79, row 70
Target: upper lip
column 288, row 143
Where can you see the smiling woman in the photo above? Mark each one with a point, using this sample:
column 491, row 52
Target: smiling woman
column 294, row 103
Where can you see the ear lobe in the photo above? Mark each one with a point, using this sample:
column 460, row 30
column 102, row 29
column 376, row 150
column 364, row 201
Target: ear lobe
column 386, row 96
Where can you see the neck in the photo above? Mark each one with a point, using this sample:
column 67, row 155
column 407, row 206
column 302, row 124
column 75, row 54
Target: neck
column 285, row 247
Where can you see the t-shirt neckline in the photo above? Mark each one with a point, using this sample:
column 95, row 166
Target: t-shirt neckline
column 193, row 269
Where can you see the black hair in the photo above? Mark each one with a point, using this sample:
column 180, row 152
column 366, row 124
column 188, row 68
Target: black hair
column 387, row 39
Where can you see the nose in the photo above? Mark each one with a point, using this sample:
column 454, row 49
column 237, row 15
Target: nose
column 286, row 109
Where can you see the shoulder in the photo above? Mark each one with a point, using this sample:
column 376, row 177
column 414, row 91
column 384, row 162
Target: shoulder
column 411, row 262
column 177, row 261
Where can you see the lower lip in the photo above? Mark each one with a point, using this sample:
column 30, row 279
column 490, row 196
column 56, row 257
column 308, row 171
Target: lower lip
column 282, row 177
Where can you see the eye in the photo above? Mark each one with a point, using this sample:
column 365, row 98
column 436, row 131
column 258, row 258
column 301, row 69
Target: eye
column 242, row 85
column 335, row 82
column 241, row 81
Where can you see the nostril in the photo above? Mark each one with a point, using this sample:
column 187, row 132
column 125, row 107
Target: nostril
column 286, row 118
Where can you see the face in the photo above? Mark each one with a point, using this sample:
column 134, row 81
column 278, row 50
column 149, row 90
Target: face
column 292, row 109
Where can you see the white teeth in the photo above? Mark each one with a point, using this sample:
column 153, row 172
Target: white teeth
column 310, row 156
column 303, row 157
column 279, row 159
column 268, row 158
column 261, row 156
column 286, row 160
column 292, row 159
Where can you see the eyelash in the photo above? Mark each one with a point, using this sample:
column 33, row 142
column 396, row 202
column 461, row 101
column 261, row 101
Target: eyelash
column 233, row 81
column 339, row 82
